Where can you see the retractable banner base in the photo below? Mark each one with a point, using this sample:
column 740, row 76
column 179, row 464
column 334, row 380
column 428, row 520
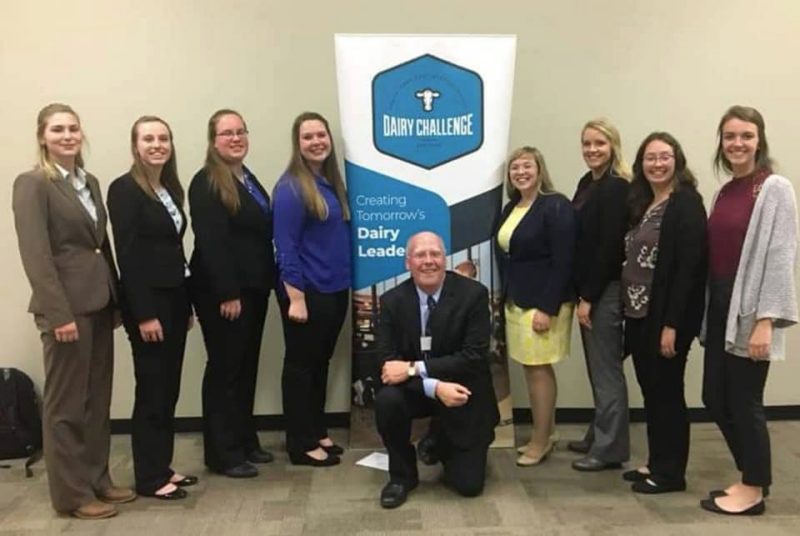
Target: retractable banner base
column 425, row 121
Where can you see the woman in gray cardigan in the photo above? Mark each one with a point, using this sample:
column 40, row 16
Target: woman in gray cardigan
column 752, row 235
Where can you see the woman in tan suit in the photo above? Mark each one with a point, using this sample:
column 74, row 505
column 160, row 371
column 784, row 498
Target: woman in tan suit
column 61, row 228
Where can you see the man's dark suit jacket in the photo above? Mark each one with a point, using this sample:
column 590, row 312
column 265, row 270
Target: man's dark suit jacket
column 149, row 248
column 460, row 330
column 231, row 251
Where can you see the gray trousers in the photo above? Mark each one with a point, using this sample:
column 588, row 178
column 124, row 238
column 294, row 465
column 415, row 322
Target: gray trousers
column 608, row 432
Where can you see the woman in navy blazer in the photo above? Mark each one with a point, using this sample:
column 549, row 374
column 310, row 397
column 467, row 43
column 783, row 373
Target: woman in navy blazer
column 535, row 241
column 148, row 223
column 233, row 269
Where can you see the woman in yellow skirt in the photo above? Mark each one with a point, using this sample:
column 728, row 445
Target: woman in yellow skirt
column 535, row 245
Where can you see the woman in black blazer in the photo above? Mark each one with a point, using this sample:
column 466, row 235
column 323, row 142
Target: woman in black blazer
column 148, row 223
column 663, row 295
column 601, row 203
column 535, row 245
column 232, row 274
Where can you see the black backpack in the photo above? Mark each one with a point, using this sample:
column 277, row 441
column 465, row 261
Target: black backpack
column 20, row 420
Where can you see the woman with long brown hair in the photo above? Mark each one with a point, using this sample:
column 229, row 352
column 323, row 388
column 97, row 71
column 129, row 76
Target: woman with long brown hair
column 232, row 274
column 312, row 243
column 146, row 210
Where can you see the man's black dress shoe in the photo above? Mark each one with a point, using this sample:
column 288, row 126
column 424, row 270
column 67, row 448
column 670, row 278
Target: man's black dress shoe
column 188, row 480
column 580, row 446
column 651, row 487
column 589, row 463
column 177, row 494
column 712, row 506
column 714, row 493
column 394, row 494
column 334, row 449
column 634, row 475
column 243, row 470
column 260, row 455
column 426, row 450
column 305, row 459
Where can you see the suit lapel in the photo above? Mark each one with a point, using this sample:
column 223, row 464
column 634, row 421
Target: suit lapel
column 438, row 319
column 98, row 229
column 412, row 312
column 66, row 188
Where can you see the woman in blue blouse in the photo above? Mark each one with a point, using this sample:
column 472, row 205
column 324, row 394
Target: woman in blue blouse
column 312, row 244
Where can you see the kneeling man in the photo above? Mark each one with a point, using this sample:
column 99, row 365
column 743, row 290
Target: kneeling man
column 433, row 339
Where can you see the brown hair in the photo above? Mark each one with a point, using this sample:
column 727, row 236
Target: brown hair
column 220, row 176
column 298, row 167
column 169, row 173
column 748, row 115
column 45, row 161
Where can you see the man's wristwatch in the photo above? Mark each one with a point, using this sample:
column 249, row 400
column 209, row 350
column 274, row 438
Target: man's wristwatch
column 412, row 369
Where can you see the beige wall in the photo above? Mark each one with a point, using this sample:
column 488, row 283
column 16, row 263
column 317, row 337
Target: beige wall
column 648, row 65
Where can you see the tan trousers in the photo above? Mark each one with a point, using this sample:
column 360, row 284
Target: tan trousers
column 77, row 396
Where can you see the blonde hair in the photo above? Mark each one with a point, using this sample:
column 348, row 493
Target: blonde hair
column 312, row 198
column 45, row 161
column 618, row 164
column 545, row 183
column 169, row 173
column 220, row 176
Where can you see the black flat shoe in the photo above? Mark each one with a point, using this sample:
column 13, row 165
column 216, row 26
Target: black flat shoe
column 714, row 493
column 260, row 456
column 634, row 475
column 651, row 487
column 188, row 480
column 395, row 494
column 243, row 470
column 334, row 449
column 426, row 450
column 590, row 464
column 305, row 459
column 712, row 506
column 580, row 446
column 175, row 495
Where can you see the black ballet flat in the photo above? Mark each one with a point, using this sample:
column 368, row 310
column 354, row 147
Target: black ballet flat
column 188, row 480
column 634, row 475
column 334, row 449
column 176, row 495
column 305, row 459
column 714, row 493
column 712, row 506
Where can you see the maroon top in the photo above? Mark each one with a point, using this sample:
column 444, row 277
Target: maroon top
column 727, row 225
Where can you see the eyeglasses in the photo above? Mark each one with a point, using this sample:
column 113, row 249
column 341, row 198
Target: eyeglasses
column 241, row 133
column 653, row 158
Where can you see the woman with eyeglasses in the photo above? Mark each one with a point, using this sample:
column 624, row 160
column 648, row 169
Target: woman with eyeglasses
column 752, row 235
column 61, row 226
column 663, row 294
column 601, row 204
column 312, row 244
column 233, row 271
column 145, row 207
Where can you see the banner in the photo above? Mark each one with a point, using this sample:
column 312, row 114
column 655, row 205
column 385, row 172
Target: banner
column 425, row 121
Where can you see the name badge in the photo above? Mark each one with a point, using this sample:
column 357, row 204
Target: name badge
column 425, row 344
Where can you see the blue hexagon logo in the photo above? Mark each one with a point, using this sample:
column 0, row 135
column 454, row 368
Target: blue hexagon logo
column 427, row 111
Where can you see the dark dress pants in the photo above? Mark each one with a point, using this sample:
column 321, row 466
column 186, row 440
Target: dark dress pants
column 75, row 410
column 229, row 382
column 395, row 407
column 733, row 392
column 157, row 366
column 608, row 432
column 309, row 348
column 661, row 381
